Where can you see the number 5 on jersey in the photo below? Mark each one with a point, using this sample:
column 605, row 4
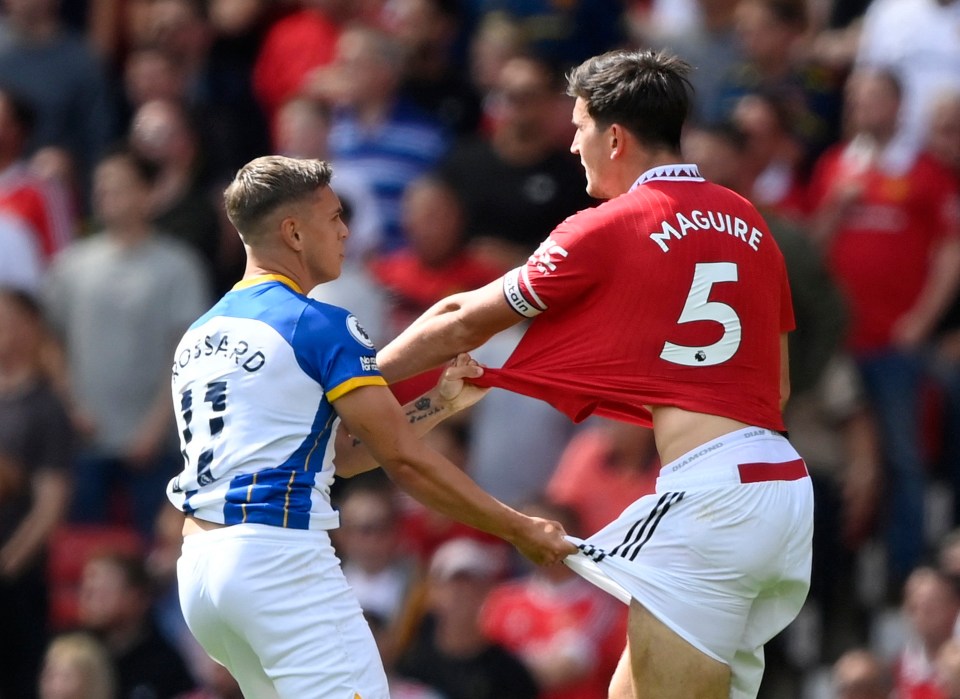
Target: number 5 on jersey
column 699, row 307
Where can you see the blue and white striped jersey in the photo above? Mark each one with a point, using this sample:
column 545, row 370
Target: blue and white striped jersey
column 254, row 380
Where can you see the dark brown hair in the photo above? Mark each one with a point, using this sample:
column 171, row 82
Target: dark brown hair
column 646, row 92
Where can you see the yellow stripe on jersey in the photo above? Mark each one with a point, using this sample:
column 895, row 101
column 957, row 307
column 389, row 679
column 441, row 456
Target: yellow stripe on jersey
column 261, row 278
column 355, row 382
column 316, row 442
column 286, row 499
column 243, row 505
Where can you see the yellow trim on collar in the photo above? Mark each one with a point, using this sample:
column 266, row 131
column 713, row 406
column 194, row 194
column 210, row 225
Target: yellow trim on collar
column 261, row 278
column 356, row 382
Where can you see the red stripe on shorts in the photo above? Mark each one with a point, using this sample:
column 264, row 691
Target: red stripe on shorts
column 761, row 472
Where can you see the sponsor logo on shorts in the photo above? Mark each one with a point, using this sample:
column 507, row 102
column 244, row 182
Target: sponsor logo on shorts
column 693, row 457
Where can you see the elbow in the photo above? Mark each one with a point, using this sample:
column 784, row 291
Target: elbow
column 466, row 336
column 402, row 472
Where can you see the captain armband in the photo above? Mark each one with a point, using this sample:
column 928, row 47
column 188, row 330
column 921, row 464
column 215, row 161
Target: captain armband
column 515, row 294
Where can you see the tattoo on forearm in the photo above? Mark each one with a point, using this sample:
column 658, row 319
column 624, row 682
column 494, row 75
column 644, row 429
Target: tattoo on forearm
column 422, row 409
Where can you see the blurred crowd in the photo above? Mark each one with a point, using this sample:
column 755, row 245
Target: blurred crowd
column 447, row 124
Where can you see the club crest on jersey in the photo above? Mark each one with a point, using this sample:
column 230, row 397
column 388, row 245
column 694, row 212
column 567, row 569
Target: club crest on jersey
column 547, row 256
column 357, row 332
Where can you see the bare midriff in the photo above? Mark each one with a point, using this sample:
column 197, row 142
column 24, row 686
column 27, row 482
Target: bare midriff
column 192, row 525
column 678, row 431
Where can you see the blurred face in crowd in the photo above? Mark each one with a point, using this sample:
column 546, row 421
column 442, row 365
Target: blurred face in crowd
column 758, row 121
column 494, row 43
column 76, row 666
column 302, row 129
column 159, row 132
column 872, row 104
column 931, row 607
column 121, row 197
column 106, row 600
column 432, row 221
column 419, row 25
column 858, row 675
column 366, row 70
column 151, row 74
column 943, row 139
column 21, row 333
column 368, row 531
column 719, row 161
column 177, row 27
column 764, row 37
column 524, row 102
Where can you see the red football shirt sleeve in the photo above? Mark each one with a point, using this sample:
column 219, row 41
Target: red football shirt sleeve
column 562, row 270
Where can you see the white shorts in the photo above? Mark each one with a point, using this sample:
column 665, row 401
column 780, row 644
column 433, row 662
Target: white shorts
column 273, row 607
column 720, row 553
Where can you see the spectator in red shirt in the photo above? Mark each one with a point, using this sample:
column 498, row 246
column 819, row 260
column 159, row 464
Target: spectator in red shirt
column 619, row 461
column 296, row 45
column 434, row 263
column 888, row 221
column 41, row 204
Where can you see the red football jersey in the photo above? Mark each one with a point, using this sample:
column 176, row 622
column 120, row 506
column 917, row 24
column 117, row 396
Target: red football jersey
column 674, row 293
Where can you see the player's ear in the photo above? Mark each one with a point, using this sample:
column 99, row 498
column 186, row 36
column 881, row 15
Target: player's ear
column 290, row 233
column 616, row 141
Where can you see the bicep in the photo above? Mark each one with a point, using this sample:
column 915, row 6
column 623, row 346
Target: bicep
column 486, row 312
column 372, row 415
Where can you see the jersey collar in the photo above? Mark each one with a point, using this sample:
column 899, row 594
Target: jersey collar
column 263, row 278
column 673, row 173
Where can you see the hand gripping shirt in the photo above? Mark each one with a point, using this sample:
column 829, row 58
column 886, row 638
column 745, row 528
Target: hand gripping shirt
column 254, row 380
column 673, row 293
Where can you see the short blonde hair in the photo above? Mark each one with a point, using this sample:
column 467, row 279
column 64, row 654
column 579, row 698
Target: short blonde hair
column 266, row 183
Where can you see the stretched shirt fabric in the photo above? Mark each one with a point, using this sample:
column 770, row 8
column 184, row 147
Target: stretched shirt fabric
column 254, row 380
column 673, row 293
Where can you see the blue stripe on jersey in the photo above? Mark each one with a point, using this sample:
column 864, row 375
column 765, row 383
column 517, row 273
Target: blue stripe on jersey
column 278, row 497
column 281, row 496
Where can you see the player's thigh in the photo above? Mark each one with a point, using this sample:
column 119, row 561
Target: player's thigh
column 621, row 684
column 282, row 593
column 297, row 612
column 665, row 666
column 234, row 653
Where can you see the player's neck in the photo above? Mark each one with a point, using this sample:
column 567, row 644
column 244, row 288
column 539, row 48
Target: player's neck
column 658, row 158
column 647, row 160
column 257, row 267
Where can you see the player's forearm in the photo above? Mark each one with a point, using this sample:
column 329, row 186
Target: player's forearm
column 443, row 487
column 459, row 323
column 423, row 414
